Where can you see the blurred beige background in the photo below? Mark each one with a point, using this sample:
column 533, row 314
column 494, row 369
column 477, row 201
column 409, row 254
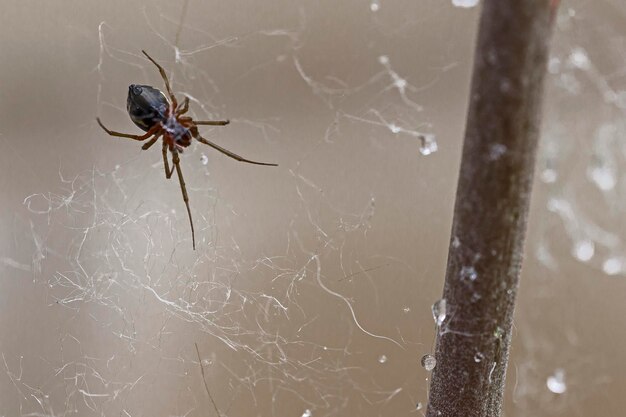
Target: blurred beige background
column 310, row 291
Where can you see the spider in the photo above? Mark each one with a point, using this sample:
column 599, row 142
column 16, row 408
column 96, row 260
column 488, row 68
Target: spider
column 162, row 116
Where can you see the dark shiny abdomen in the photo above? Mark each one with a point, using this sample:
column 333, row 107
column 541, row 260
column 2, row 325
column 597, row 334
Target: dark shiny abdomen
column 146, row 106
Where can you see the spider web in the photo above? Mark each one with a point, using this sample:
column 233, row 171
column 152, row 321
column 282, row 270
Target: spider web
column 311, row 288
column 579, row 242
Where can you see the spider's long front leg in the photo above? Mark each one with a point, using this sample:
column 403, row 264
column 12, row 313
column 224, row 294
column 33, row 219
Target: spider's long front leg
column 181, row 180
column 188, row 121
column 149, row 133
column 195, row 134
column 165, row 79
column 212, row 122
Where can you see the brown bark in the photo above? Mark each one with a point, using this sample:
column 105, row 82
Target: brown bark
column 491, row 208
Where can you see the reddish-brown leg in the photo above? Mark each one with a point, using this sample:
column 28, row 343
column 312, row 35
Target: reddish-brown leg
column 184, row 108
column 195, row 134
column 181, row 180
column 212, row 122
column 166, row 164
column 165, row 79
column 151, row 142
column 149, row 133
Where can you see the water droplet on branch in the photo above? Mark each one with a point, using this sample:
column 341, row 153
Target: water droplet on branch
column 439, row 311
column 428, row 362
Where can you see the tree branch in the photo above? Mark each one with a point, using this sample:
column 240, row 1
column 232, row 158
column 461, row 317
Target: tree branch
column 491, row 208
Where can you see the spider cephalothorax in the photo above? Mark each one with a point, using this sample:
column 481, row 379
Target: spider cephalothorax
column 161, row 116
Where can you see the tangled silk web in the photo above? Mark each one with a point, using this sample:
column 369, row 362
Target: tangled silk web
column 580, row 189
column 577, row 72
column 107, row 279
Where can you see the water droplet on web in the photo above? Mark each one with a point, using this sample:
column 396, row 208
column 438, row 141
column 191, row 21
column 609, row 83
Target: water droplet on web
column 204, row 159
column 468, row 273
column 583, row 250
column 428, row 145
column 612, row 266
column 375, row 6
column 307, row 413
column 478, row 357
column 383, row 59
column 465, row 3
column 400, row 83
column 382, row 359
column 206, row 362
column 549, row 175
column 580, row 59
column 406, row 309
column 394, row 128
column 428, row 362
column 603, row 176
column 439, row 311
column 556, row 382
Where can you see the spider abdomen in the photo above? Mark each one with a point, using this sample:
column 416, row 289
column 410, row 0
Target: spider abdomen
column 146, row 106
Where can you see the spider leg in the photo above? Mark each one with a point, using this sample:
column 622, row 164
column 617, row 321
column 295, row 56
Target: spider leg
column 164, row 76
column 184, row 107
column 212, row 122
column 151, row 142
column 149, row 133
column 225, row 151
column 166, row 164
column 181, row 180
